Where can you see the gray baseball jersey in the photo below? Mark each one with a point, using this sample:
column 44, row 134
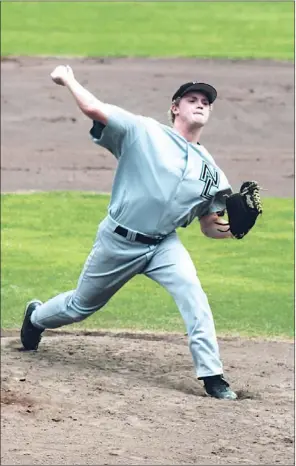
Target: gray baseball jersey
column 162, row 181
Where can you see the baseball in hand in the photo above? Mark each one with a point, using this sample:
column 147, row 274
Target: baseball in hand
column 61, row 74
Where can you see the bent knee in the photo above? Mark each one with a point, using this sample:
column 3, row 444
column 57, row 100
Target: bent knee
column 80, row 311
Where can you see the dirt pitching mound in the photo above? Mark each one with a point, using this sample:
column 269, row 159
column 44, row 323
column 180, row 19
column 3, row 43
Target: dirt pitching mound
column 133, row 399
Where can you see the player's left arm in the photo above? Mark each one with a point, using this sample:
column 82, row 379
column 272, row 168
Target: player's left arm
column 213, row 226
column 243, row 209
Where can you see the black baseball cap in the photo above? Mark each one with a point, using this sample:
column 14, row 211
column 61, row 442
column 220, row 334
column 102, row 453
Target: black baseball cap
column 206, row 89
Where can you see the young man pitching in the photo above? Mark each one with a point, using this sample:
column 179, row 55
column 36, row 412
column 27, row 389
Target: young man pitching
column 164, row 180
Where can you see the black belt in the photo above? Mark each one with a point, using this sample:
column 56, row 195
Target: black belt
column 137, row 236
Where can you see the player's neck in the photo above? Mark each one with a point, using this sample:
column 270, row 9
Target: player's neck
column 190, row 134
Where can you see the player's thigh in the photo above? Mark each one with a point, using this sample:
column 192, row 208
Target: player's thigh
column 171, row 266
column 111, row 263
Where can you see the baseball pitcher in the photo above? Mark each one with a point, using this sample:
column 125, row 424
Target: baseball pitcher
column 164, row 180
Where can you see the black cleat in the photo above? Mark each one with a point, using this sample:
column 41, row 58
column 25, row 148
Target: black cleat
column 30, row 335
column 217, row 387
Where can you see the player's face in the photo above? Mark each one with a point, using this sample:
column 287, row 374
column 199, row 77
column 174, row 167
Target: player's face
column 194, row 109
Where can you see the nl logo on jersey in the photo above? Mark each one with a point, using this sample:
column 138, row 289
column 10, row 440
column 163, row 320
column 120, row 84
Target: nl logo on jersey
column 210, row 177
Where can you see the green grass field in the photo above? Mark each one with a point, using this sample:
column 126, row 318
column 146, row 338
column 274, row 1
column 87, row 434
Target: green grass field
column 187, row 29
column 46, row 239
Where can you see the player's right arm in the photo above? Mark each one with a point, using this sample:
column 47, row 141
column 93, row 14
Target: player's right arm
column 113, row 128
column 87, row 102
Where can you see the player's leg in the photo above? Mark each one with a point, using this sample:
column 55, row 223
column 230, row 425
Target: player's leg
column 172, row 267
column 111, row 263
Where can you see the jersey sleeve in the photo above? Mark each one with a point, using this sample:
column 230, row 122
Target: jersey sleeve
column 120, row 130
column 218, row 204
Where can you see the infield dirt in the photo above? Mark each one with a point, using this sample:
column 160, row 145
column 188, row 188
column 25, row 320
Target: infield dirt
column 45, row 140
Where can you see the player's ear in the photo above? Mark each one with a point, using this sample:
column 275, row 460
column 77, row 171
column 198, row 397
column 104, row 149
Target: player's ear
column 174, row 108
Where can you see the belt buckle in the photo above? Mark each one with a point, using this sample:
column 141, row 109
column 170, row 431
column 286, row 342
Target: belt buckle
column 131, row 235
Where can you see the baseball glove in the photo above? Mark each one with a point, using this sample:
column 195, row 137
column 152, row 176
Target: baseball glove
column 243, row 209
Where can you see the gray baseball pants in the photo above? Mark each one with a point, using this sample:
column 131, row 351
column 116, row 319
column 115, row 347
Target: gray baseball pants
column 113, row 261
